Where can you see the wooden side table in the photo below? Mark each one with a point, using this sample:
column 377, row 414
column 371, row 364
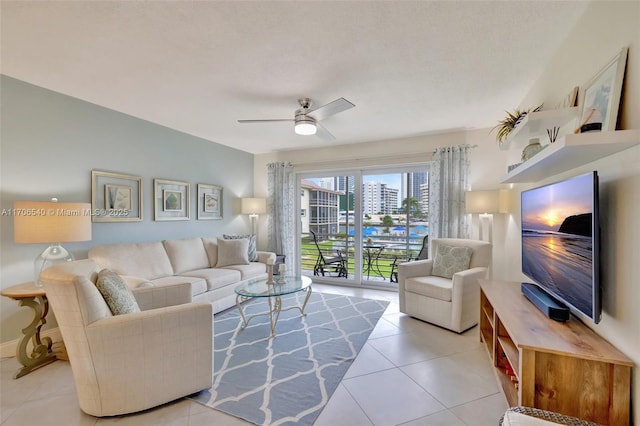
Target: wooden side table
column 28, row 294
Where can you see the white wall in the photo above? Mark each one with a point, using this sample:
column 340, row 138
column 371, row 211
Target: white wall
column 602, row 31
column 50, row 144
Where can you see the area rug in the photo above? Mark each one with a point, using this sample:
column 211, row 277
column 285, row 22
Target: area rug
column 287, row 379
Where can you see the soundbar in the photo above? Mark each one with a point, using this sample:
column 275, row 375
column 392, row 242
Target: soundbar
column 543, row 301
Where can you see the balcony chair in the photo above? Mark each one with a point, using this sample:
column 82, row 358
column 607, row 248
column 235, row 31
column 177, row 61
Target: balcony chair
column 335, row 264
column 423, row 254
column 444, row 290
column 132, row 361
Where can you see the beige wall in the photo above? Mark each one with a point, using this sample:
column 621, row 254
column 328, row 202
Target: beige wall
column 602, row 31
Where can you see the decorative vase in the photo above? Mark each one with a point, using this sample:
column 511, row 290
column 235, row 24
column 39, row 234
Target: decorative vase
column 532, row 149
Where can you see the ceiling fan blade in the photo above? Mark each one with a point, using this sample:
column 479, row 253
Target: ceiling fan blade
column 265, row 121
column 323, row 133
column 330, row 109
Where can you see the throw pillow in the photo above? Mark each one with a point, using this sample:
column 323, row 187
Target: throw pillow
column 116, row 293
column 253, row 251
column 450, row 259
column 233, row 252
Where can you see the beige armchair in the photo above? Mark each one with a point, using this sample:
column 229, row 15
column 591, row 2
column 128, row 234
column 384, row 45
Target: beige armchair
column 131, row 362
column 452, row 303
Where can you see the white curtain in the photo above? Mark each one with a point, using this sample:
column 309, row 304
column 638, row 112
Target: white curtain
column 448, row 181
column 281, row 208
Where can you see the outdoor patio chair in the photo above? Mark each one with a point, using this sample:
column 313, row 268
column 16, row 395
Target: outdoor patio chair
column 335, row 264
column 423, row 254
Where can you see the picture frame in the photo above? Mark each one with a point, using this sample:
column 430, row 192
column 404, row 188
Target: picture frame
column 210, row 202
column 171, row 200
column 603, row 92
column 115, row 197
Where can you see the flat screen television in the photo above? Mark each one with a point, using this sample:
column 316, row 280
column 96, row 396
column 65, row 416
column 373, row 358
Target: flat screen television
column 560, row 242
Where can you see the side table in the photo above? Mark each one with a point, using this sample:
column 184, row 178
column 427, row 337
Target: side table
column 28, row 294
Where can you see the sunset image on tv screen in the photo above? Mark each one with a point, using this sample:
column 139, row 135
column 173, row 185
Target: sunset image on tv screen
column 557, row 239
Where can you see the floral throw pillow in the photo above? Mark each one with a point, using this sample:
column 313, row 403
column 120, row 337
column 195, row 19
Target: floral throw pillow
column 450, row 259
column 116, row 293
column 253, row 251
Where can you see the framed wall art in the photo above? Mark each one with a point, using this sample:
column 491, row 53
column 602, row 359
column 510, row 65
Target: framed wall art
column 209, row 202
column 115, row 197
column 171, row 200
column 602, row 94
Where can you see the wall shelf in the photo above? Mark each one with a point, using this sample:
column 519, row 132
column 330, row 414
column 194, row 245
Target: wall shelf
column 570, row 151
column 535, row 124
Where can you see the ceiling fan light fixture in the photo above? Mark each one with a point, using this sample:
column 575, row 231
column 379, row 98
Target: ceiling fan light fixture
column 305, row 126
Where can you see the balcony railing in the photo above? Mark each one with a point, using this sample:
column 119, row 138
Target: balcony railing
column 379, row 253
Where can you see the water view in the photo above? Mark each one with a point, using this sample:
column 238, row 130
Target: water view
column 560, row 262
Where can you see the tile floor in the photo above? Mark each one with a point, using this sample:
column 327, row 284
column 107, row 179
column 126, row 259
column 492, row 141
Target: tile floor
column 408, row 373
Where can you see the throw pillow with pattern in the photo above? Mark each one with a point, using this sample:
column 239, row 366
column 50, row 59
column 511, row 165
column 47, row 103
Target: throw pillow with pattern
column 450, row 259
column 116, row 293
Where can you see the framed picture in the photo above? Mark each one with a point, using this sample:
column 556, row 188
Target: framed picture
column 602, row 93
column 115, row 197
column 209, row 202
column 171, row 200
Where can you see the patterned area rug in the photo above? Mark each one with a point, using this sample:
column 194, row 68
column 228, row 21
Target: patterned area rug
column 287, row 379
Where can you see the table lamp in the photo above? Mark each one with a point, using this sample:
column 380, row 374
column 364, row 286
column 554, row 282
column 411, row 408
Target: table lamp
column 37, row 222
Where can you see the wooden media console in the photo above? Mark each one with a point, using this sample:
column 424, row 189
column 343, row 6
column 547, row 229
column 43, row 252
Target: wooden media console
column 541, row 363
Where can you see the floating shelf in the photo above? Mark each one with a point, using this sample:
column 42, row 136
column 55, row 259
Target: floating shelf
column 570, row 151
column 537, row 123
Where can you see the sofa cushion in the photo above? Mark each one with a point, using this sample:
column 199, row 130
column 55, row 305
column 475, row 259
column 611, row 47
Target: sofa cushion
column 450, row 259
column 186, row 254
column 198, row 285
column 116, row 293
column 216, row 277
column 144, row 260
column 252, row 251
column 252, row 270
column 232, row 252
column 430, row 286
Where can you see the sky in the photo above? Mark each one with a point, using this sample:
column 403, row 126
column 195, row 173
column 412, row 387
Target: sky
column 546, row 207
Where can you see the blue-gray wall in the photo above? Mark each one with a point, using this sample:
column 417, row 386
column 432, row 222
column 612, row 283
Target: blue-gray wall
column 49, row 143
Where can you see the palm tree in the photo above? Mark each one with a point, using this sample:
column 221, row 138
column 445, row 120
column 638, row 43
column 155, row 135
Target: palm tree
column 411, row 205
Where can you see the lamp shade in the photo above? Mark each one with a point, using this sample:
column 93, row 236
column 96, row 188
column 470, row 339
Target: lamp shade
column 482, row 201
column 51, row 222
column 253, row 205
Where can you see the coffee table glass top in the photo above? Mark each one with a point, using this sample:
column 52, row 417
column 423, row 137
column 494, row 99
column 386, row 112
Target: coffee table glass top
column 260, row 288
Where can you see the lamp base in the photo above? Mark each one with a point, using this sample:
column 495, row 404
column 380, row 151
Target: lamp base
column 52, row 255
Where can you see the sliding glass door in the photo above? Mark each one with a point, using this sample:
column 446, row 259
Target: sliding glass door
column 357, row 225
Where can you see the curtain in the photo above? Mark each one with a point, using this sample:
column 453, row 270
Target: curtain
column 448, row 181
column 281, row 208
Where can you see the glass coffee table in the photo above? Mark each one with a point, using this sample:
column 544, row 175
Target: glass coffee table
column 273, row 292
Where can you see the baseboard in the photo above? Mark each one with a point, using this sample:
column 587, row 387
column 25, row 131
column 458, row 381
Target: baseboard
column 8, row 349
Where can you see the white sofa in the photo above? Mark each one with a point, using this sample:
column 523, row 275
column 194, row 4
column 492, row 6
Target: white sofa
column 192, row 260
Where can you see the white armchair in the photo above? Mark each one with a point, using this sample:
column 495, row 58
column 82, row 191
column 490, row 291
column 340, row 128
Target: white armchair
column 131, row 362
column 450, row 303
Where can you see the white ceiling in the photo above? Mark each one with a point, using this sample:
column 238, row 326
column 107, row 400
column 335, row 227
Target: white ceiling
column 411, row 67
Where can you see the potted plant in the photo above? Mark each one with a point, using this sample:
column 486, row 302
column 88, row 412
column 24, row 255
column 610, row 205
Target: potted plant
column 506, row 125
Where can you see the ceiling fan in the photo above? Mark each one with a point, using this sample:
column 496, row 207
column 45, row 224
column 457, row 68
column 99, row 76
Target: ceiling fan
column 307, row 120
